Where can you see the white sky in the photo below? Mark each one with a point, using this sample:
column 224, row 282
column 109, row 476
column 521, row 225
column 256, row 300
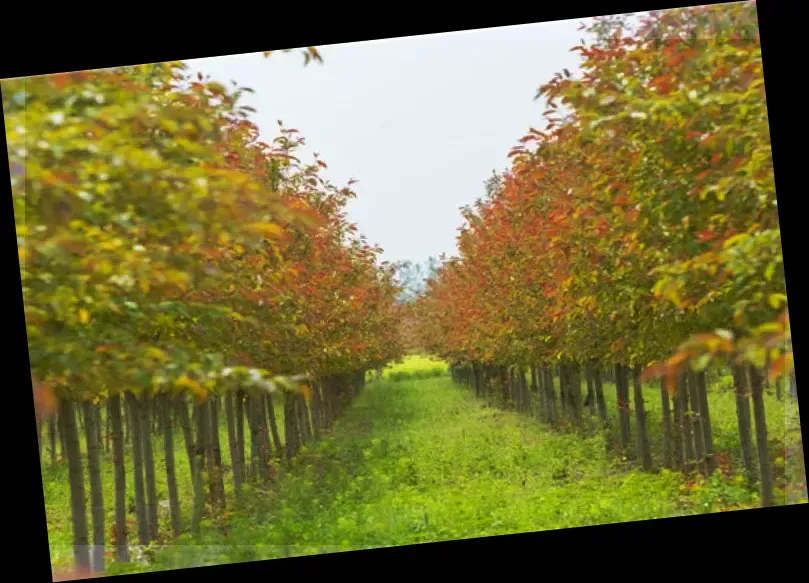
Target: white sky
column 420, row 122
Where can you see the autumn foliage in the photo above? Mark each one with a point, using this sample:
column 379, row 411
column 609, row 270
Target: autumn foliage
column 640, row 225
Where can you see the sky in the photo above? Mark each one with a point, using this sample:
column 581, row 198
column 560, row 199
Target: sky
column 420, row 122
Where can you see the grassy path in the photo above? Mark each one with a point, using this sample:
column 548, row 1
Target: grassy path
column 421, row 460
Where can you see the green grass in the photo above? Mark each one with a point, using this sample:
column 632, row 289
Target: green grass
column 419, row 461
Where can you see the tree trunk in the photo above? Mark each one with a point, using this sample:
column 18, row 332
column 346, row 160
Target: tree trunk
column 137, row 454
column 316, row 427
column 696, row 421
column 127, row 421
column 91, row 435
column 117, row 436
column 575, row 393
column 164, row 409
column 234, row 447
column 591, row 398
column 599, row 390
column 188, row 434
column 307, row 426
column 207, row 447
column 688, row 432
column 62, row 441
column 78, row 508
column 149, row 466
column 667, row 433
column 199, row 458
column 216, row 451
column 678, row 432
column 240, row 436
column 289, row 426
column 622, row 390
column 276, row 437
column 764, row 464
column 550, row 392
column 641, row 432
column 525, row 396
column 743, row 420
column 252, row 421
column 563, row 390
column 705, row 416
column 264, row 446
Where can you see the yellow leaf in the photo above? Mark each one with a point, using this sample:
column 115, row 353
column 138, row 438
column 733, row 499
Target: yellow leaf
column 154, row 352
column 268, row 229
column 84, row 316
column 776, row 300
column 185, row 382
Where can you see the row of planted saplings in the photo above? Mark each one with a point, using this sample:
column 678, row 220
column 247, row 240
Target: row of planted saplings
column 126, row 424
column 686, row 419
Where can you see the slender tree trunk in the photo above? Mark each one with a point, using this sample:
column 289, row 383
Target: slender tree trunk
column 641, row 431
column 667, row 433
column 234, row 447
column 207, row 443
column 63, row 441
column 199, row 460
column 599, row 390
column 550, row 391
column 164, row 409
column 591, row 398
column 307, row 425
column 688, row 432
column 743, row 420
column 96, row 493
column 276, row 437
column 252, row 421
column 696, row 421
column 216, row 451
column 240, row 436
column 575, row 393
column 264, row 446
column 99, row 425
column 525, row 396
column 622, row 389
column 137, row 454
column 678, row 433
column 705, row 417
column 563, row 390
column 67, row 426
column 779, row 389
column 289, row 426
column 149, row 466
column 117, row 436
column 188, row 435
column 764, row 463
column 316, row 426
column 127, row 421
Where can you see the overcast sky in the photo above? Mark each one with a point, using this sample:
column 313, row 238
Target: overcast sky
column 420, row 122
